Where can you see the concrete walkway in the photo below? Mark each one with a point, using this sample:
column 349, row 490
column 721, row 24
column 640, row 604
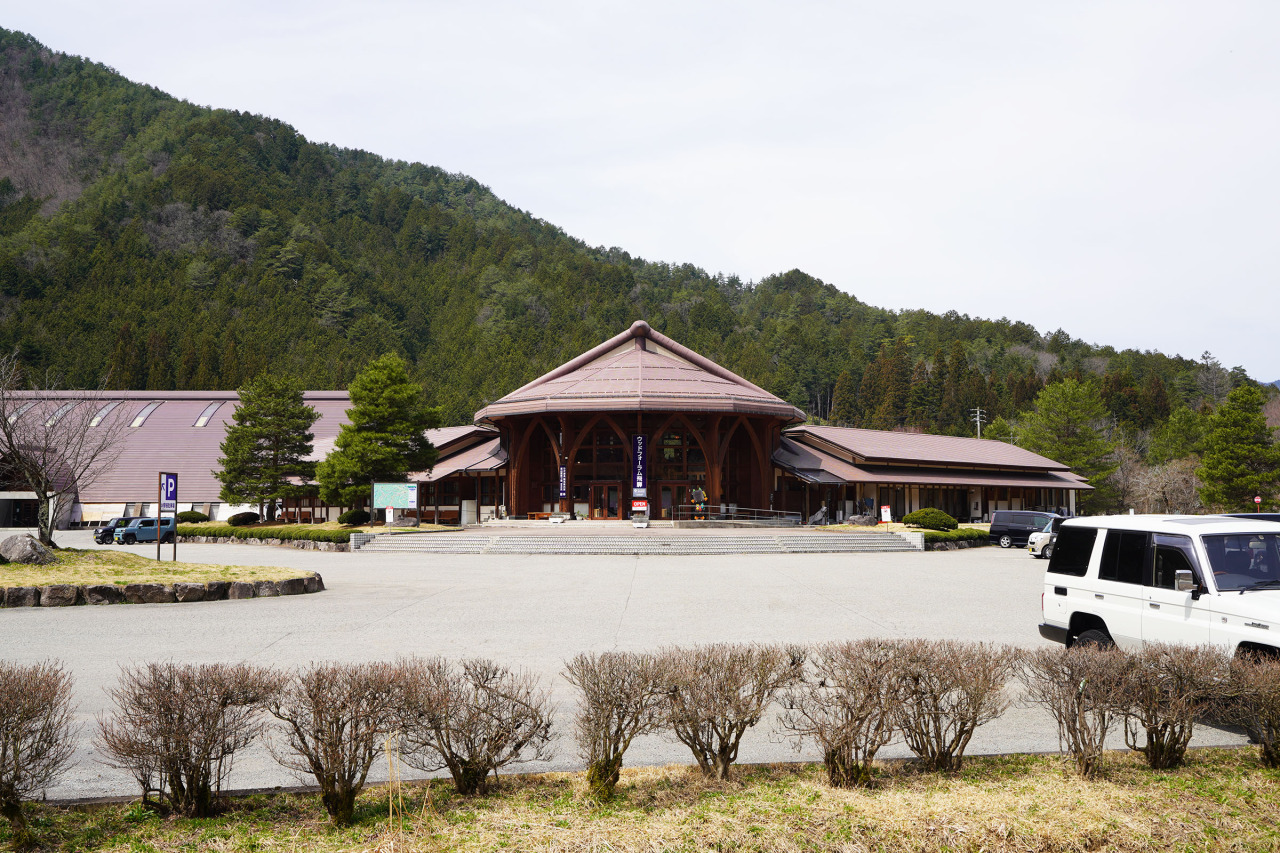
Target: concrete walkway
column 536, row 611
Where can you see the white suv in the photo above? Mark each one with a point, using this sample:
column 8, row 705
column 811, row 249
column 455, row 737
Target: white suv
column 1131, row 579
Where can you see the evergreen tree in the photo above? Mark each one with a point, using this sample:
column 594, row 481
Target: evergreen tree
column 267, row 447
column 844, row 402
column 1241, row 458
column 386, row 437
column 1066, row 425
column 1182, row 435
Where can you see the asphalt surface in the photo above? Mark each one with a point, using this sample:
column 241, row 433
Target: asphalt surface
column 536, row 612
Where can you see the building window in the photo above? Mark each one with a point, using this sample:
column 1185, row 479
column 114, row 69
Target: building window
column 62, row 410
column 203, row 420
column 142, row 416
column 103, row 412
column 21, row 409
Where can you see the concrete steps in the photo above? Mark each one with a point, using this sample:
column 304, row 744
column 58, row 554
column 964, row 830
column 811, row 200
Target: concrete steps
column 645, row 545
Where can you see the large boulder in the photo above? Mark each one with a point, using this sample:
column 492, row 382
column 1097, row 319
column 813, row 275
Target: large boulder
column 240, row 589
column 104, row 593
column 217, row 590
column 22, row 596
column 25, row 548
column 59, row 595
column 266, row 589
column 148, row 593
column 314, row 583
column 291, row 586
column 187, row 591
column 862, row 520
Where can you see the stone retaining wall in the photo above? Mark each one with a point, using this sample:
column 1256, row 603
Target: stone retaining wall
column 67, row 595
column 300, row 544
column 955, row 546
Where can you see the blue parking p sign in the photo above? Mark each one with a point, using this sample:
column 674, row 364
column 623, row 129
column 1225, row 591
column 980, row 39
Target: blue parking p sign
column 168, row 492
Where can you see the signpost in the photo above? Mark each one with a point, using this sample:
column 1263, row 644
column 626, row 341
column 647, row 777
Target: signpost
column 394, row 496
column 167, row 501
column 886, row 514
column 639, row 468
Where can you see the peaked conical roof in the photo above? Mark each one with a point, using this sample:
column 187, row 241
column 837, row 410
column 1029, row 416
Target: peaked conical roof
column 640, row 370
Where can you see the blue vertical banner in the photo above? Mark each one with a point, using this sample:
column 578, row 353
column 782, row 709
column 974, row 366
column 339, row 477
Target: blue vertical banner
column 639, row 467
column 564, row 482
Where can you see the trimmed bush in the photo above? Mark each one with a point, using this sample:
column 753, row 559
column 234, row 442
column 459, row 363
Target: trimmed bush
column 37, row 737
column 964, row 534
column 192, row 517
column 354, row 517
column 241, row 519
column 292, row 533
column 930, row 519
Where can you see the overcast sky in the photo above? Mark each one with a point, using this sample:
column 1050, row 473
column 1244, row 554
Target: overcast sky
column 1110, row 168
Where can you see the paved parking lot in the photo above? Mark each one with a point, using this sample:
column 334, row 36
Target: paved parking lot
column 537, row 611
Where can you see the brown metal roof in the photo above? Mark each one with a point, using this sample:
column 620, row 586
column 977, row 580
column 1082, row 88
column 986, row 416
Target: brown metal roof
column 168, row 440
column 640, row 370
column 485, row 456
column 814, row 466
column 885, row 448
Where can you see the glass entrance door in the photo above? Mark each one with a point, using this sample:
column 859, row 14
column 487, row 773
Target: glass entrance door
column 606, row 500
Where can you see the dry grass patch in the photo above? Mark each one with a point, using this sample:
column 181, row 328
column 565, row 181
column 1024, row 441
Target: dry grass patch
column 82, row 567
column 1223, row 800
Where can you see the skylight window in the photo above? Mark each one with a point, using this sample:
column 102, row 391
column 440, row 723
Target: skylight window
column 62, row 410
column 103, row 412
column 203, row 420
column 21, row 409
column 142, row 416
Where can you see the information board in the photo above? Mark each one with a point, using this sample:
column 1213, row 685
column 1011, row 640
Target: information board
column 397, row 495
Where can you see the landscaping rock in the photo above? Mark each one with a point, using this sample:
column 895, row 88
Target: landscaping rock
column 104, row 593
column 25, row 548
column 148, row 593
column 241, row 589
column 266, row 589
column 315, row 583
column 22, row 596
column 59, row 595
column 186, row 591
column 862, row 520
column 292, row 586
column 217, row 590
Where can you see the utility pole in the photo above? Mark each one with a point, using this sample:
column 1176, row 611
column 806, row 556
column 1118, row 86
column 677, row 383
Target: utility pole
column 979, row 417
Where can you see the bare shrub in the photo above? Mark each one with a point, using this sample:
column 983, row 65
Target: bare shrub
column 177, row 727
column 472, row 717
column 1168, row 688
column 335, row 718
column 846, row 705
column 623, row 695
column 1255, row 703
column 945, row 690
column 1083, row 687
column 36, row 736
column 719, row 691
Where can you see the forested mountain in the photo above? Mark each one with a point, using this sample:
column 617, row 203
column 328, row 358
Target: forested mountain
column 185, row 247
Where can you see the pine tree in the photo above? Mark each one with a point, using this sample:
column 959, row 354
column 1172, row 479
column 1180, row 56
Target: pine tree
column 386, row 437
column 1066, row 426
column 844, row 401
column 266, row 449
column 1241, row 458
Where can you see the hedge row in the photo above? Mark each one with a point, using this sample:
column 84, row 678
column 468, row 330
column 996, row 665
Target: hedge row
column 964, row 534
column 291, row 533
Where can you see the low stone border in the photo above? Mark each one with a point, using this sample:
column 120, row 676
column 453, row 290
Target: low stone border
column 68, row 595
column 955, row 546
column 300, row 544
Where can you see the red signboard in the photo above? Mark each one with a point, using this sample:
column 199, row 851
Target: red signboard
column 639, row 507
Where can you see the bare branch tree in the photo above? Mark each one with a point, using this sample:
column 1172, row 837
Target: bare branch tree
column 473, row 717
column 719, row 691
column 1083, row 688
column 53, row 441
column 946, row 690
column 336, row 717
column 623, row 695
column 1170, row 687
column 846, row 705
column 36, row 736
column 177, row 728
column 1255, row 703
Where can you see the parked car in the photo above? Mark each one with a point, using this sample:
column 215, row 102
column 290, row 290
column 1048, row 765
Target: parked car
column 1129, row 580
column 1040, row 543
column 144, row 530
column 1012, row 528
column 106, row 533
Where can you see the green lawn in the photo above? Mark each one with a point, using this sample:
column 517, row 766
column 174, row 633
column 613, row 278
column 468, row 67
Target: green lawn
column 81, row 568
